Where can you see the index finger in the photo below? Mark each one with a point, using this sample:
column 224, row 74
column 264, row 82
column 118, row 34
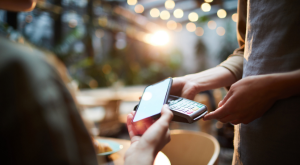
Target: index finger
column 162, row 124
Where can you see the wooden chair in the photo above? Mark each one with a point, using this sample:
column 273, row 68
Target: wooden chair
column 192, row 148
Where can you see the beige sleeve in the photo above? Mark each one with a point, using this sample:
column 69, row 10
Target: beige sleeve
column 234, row 62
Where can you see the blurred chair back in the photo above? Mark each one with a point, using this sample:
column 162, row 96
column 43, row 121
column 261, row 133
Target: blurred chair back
column 192, row 148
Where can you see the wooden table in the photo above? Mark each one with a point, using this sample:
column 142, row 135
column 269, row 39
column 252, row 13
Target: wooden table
column 118, row 157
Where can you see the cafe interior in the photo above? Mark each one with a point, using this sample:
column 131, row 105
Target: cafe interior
column 111, row 50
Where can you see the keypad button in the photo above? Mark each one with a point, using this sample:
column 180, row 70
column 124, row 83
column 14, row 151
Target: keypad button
column 195, row 108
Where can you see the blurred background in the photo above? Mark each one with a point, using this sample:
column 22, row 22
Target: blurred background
column 112, row 49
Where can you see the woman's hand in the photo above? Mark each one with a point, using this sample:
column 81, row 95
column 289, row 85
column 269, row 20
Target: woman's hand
column 188, row 86
column 144, row 149
column 247, row 100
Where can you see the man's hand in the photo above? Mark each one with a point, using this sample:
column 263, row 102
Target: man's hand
column 144, row 149
column 188, row 86
column 247, row 100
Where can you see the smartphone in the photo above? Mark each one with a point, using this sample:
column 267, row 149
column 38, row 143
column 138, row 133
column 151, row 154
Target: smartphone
column 151, row 103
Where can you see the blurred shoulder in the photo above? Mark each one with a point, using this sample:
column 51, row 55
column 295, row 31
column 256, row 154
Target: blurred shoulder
column 23, row 59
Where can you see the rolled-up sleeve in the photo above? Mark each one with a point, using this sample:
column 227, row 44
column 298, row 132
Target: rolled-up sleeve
column 234, row 62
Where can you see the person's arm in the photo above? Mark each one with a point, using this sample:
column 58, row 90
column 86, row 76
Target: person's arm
column 144, row 149
column 251, row 97
column 224, row 75
column 188, row 86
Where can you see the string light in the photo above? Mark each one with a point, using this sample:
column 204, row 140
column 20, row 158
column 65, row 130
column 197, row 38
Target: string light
column 154, row 12
column 139, row 8
column 205, row 7
column 220, row 31
column 221, row 13
column 234, row 17
column 178, row 13
column 131, row 2
column 165, row 15
column 199, row 31
column 191, row 27
column 211, row 24
column 193, row 17
column 169, row 4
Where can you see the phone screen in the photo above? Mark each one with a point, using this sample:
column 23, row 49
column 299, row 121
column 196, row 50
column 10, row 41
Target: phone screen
column 152, row 100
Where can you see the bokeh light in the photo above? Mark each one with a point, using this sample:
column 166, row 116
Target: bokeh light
column 193, row 17
column 205, row 7
column 172, row 25
column 139, row 8
column 234, row 17
column 178, row 13
column 212, row 24
column 160, row 38
column 208, row 0
column 169, row 4
column 131, row 2
column 154, row 12
column 221, row 13
column 191, row 27
column 165, row 15
column 199, row 31
column 73, row 23
column 220, row 31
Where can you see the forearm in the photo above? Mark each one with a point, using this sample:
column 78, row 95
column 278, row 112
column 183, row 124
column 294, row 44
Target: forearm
column 212, row 78
column 286, row 84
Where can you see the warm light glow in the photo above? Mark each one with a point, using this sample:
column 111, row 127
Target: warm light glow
column 154, row 12
column 165, row 15
column 193, row 17
column 220, row 31
column 147, row 38
column 178, row 13
column 131, row 2
column 160, row 38
column 208, row 0
column 191, row 27
column 211, row 24
column 199, row 31
column 221, row 13
column 179, row 27
column 140, row 35
column 139, row 8
column 169, row 4
column 172, row 25
column 234, row 17
column 205, row 7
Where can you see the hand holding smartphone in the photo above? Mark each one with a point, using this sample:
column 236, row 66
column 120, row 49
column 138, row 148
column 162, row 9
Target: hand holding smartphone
column 151, row 103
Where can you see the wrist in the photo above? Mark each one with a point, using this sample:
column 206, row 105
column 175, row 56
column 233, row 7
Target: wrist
column 139, row 156
column 211, row 79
